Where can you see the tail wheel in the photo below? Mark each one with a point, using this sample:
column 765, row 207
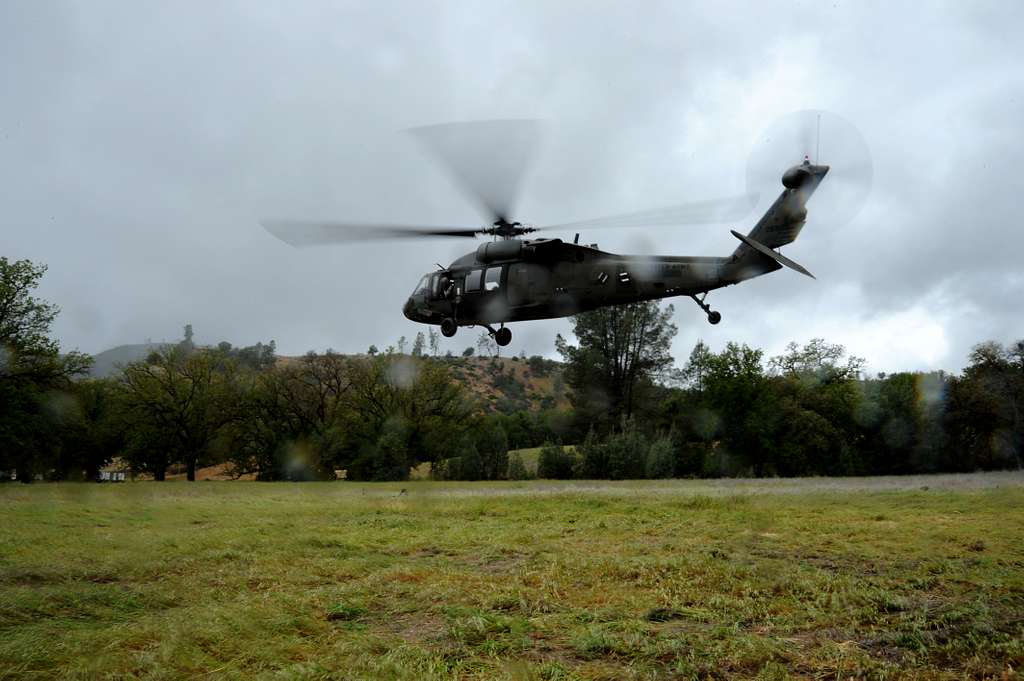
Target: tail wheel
column 503, row 336
column 714, row 317
column 448, row 327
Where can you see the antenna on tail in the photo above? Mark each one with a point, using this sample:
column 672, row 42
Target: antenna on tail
column 817, row 142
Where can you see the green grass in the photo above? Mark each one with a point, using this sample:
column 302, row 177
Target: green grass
column 666, row 579
column 531, row 456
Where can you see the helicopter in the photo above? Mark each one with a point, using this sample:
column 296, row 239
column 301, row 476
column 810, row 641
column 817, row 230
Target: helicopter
column 514, row 279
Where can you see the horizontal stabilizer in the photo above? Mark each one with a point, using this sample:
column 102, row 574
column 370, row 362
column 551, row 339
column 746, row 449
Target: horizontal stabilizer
column 777, row 257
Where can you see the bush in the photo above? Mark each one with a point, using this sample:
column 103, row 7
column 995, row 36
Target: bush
column 627, row 455
column 690, row 462
column 661, row 459
column 539, row 366
column 388, row 460
column 555, row 463
column 594, row 458
column 482, row 455
column 492, row 450
column 517, row 469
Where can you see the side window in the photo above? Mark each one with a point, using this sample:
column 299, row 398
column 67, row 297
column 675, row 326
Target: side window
column 473, row 280
column 493, row 279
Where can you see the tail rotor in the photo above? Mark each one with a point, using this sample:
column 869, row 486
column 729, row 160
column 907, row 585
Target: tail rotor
column 793, row 138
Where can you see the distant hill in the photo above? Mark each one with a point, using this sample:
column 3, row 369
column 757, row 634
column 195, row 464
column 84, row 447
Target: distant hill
column 501, row 384
column 107, row 362
column 512, row 384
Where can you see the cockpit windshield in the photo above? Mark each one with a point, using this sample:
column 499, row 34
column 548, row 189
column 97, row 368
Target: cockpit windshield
column 422, row 286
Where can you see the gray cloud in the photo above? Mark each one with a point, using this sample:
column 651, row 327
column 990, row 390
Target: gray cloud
column 140, row 143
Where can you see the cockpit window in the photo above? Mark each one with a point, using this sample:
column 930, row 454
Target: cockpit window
column 493, row 279
column 473, row 280
column 422, row 286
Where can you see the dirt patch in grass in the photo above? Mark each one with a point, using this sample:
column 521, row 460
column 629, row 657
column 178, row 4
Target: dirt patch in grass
column 502, row 564
column 426, row 552
column 548, row 649
column 415, row 627
column 30, row 577
column 44, row 578
column 101, row 578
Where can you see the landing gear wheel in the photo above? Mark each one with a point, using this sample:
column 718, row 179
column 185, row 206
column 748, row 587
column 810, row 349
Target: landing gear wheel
column 503, row 336
column 448, row 327
column 713, row 317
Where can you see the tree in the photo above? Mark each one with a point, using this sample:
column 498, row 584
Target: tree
column 554, row 463
column 818, row 360
column 417, row 398
column 289, row 426
column 486, row 345
column 434, row 340
column 538, row 365
column 177, row 404
column 739, row 404
column 696, row 368
column 627, row 452
column 467, row 464
column 390, row 460
column 32, row 371
column 372, row 350
column 492, row 447
column 984, row 416
column 594, row 457
column 811, row 419
column 622, row 348
column 401, row 345
column 661, row 459
column 468, row 352
column 517, row 469
column 259, row 357
column 91, row 429
column 891, row 417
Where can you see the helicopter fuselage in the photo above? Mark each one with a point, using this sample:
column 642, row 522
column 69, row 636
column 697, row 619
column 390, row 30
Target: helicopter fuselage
column 514, row 280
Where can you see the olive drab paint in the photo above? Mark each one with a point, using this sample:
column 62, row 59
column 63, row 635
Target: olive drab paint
column 512, row 280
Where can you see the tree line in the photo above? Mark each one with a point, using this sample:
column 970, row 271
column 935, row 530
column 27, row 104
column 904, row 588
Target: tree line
column 631, row 413
column 808, row 412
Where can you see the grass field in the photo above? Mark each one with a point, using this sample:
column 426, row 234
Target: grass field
column 879, row 578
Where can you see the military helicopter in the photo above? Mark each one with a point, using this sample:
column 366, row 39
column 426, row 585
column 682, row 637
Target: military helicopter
column 512, row 279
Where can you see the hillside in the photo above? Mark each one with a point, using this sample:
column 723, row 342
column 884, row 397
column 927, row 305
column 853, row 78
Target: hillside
column 511, row 383
column 106, row 363
column 503, row 383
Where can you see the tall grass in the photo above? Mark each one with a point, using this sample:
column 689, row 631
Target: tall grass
column 531, row 580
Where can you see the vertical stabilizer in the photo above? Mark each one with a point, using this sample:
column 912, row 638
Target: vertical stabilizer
column 781, row 224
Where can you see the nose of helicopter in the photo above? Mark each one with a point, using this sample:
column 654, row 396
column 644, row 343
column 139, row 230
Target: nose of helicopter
column 407, row 309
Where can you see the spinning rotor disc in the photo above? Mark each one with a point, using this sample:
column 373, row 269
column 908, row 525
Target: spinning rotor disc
column 488, row 161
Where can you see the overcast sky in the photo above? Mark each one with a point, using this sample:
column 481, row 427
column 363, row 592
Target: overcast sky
column 140, row 143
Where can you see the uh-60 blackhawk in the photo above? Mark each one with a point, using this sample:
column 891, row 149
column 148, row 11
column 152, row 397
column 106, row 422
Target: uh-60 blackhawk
column 512, row 279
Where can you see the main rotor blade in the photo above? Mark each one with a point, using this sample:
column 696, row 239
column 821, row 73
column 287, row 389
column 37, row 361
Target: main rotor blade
column 487, row 159
column 698, row 212
column 299, row 233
